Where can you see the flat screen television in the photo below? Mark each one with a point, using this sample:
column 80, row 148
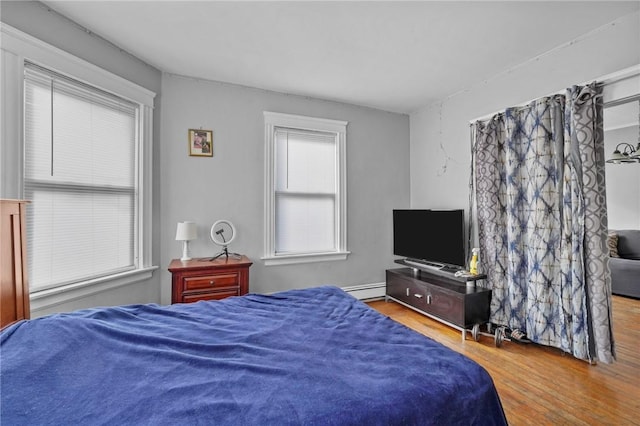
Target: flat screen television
column 429, row 236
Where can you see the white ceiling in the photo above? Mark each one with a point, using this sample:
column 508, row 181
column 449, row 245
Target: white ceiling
column 395, row 56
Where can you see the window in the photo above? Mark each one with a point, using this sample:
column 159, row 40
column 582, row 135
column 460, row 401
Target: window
column 305, row 189
column 81, row 176
column 42, row 86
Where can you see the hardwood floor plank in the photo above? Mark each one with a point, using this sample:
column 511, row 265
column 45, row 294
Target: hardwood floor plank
column 544, row 385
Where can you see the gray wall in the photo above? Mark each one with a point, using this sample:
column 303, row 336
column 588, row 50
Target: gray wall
column 231, row 184
column 35, row 19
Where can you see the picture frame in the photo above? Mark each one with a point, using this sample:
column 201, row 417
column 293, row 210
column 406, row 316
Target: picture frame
column 200, row 143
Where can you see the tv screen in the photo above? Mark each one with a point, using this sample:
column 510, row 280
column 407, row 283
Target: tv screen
column 429, row 235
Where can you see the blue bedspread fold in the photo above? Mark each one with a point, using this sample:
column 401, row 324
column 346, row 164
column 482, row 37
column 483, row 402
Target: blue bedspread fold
column 301, row 357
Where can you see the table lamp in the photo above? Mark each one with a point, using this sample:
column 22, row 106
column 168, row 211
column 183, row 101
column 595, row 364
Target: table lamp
column 186, row 232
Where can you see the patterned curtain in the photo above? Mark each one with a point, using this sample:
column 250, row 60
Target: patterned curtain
column 540, row 195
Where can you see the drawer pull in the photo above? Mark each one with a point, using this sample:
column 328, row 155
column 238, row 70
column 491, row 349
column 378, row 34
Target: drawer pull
column 428, row 299
column 212, row 282
column 419, row 296
column 407, row 291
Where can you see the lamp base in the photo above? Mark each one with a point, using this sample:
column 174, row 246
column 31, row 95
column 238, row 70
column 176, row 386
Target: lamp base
column 185, row 251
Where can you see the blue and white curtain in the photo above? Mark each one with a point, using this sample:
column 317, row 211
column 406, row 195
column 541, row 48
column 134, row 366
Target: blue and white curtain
column 539, row 188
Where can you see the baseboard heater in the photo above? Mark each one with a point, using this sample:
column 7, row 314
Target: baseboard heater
column 367, row 291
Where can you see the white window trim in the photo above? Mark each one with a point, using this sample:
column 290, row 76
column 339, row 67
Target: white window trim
column 45, row 299
column 271, row 121
column 18, row 47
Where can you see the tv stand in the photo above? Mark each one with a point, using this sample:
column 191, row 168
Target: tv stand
column 441, row 296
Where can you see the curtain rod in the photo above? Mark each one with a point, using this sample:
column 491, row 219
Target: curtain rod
column 604, row 81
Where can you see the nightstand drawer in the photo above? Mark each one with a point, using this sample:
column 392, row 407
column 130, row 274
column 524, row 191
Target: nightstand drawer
column 212, row 295
column 211, row 281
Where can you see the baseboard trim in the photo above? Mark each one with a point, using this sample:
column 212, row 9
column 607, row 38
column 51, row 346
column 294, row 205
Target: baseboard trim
column 367, row 291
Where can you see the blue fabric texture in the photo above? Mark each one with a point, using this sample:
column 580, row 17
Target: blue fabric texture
column 315, row 356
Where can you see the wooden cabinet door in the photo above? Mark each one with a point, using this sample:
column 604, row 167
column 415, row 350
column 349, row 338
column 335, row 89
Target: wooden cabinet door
column 14, row 289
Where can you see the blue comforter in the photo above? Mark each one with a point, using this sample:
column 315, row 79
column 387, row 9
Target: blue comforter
column 302, row 357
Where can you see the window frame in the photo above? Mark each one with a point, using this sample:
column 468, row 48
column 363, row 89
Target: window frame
column 272, row 121
column 18, row 48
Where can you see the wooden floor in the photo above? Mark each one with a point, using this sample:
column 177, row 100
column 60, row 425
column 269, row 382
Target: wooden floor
column 541, row 385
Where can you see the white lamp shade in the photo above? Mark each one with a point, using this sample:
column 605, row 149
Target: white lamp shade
column 186, row 231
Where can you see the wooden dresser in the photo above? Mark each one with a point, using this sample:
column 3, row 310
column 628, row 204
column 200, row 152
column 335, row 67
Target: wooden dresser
column 203, row 279
column 14, row 285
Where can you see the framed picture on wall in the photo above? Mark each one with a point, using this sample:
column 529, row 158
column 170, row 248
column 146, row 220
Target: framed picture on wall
column 201, row 143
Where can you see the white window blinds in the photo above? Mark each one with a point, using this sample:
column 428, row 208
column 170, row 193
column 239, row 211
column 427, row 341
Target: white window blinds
column 305, row 173
column 305, row 200
column 80, row 175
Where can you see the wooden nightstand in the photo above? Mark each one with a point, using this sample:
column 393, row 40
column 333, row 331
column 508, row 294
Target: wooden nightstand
column 203, row 279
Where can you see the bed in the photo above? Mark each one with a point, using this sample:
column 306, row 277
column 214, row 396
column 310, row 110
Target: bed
column 301, row 357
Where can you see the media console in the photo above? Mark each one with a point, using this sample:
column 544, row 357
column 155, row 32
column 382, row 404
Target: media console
column 455, row 301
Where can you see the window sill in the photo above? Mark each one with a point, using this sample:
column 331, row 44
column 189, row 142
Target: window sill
column 44, row 299
column 304, row 258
